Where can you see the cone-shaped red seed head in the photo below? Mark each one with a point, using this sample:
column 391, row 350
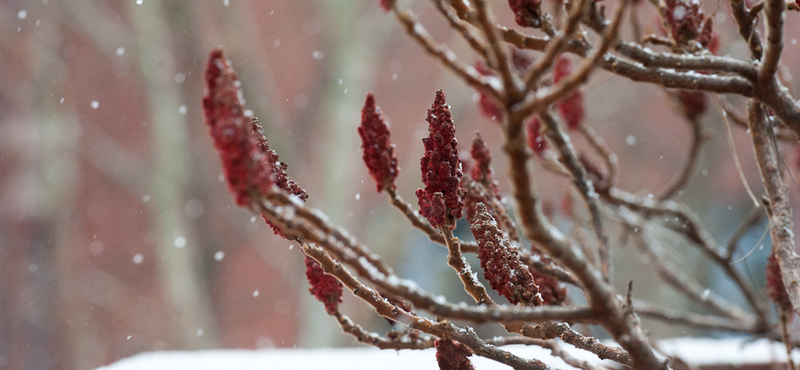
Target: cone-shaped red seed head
column 441, row 168
column 451, row 355
column 223, row 106
column 250, row 166
column 506, row 274
column 324, row 287
column 377, row 146
column 482, row 171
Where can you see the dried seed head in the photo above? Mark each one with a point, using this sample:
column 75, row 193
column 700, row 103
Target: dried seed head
column 527, row 13
column 452, row 355
column 685, row 20
column 377, row 146
column 692, row 102
column 506, row 274
column 324, row 287
column 536, row 140
column 553, row 292
column 479, row 186
column 571, row 107
column 708, row 38
column 488, row 107
column 777, row 291
column 441, row 200
column 482, row 171
column 387, row 5
column 250, row 166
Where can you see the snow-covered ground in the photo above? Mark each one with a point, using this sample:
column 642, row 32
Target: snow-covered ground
column 693, row 351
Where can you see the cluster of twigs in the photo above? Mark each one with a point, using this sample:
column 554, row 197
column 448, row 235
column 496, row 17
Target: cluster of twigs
column 526, row 100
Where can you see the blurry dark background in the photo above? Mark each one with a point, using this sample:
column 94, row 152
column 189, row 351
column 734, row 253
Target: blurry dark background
column 118, row 235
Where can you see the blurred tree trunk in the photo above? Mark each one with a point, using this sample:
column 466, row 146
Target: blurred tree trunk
column 39, row 189
column 179, row 263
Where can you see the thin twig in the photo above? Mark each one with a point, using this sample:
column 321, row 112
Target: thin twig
column 611, row 159
column 285, row 216
column 470, row 281
column 681, row 281
column 695, row 320
column 376, row 340
column 542, row 267
column 752, row 218
column 583, row 184
column 499, row 53
column 463, row 28
column 735, row 153
column 690, row 227
column 441, row 329
column 699, row 137
column 418, row 32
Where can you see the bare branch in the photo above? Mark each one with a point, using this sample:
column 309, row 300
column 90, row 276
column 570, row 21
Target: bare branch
column 780, row 215
column 774, row 10
column 555, row 45
column 694, row 320
column 376, row 340
column 440, row 329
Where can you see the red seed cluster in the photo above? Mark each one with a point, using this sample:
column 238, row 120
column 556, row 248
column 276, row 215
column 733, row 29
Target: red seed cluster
column 571, row 108
column 482, row 171
column 501, row 265
column 487, row 106
column 693, row 103
column 441, row 201
column 536, row 140
column 553, row 292
column 377, row 146
column 527, row 13
column 687, row 23
column 452, row 355
column 708, row 37
column 250, row 166
column 387, row 5
column 775, row 287
column 324, row 287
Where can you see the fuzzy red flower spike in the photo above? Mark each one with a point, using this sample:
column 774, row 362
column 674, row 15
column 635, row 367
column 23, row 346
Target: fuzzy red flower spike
column 377, row 146
column 250, row 166
column 441, row 201
column 324, row 287
column 506, row 274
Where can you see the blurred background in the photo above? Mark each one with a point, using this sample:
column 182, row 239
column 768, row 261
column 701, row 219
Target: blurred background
column 118, row 234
